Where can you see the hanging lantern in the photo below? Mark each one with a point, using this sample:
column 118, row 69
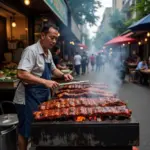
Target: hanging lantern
column 27, row 2
column 139, row 43
column 146, row 39
column 13, row 22
column 148, row 34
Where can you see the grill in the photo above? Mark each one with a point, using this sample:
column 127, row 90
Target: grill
column 107, row 134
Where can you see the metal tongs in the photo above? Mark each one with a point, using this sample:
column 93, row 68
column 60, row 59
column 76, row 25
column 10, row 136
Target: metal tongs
column 75, row 82
column 67, row 83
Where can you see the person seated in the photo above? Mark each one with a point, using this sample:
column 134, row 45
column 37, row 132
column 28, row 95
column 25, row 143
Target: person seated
column 56, row 58
column 142, row 65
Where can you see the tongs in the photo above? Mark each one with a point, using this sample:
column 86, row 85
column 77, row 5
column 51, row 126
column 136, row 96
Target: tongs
column 67, row 83
column 75, row 82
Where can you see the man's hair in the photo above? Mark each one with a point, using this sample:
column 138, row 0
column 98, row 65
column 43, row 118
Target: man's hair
column 45, row 28
column 55, row 48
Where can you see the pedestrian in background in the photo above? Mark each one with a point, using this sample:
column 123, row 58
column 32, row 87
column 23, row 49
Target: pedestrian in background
column 98, row 62
column 77, row 63
column 84, row 62
column 56, row 58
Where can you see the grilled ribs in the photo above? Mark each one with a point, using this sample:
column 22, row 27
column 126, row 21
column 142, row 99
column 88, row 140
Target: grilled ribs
column 87, row 102
column 84, row 85
column 82, row 111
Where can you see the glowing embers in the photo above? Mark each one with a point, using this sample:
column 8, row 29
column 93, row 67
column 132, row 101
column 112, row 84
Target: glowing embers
column 80, row 118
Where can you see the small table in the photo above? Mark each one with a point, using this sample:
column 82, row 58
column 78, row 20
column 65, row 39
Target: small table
column 146, row 71
column 132, row 65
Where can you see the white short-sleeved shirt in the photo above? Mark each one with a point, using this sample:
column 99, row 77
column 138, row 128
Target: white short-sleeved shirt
column 77, row 59
column 33, row 61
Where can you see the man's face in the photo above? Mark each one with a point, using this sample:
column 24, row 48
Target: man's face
column 49, row 39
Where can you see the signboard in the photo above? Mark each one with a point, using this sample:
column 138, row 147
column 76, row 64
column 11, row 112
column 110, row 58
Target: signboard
column 59, row 8
column 75, row 29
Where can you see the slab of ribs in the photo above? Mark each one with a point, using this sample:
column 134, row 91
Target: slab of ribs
column 84, row 100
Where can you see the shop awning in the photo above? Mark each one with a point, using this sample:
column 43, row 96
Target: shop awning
column 128, row 34
column 120, row 40
column 143, row 24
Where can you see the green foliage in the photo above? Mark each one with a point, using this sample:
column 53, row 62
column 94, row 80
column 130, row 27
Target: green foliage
column 84, row 10
column 117, row 22
column 103, row 36
column 142, row 8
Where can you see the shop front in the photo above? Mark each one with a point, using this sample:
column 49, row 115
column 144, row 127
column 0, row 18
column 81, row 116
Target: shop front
column 20, row 27
column 14, row 33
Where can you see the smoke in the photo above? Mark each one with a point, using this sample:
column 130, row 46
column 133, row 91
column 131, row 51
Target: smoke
column 111, row 72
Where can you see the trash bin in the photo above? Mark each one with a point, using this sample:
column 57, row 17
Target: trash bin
column 8, row 136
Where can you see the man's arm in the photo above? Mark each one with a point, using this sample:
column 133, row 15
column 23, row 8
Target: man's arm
column 58, row 73
column 61, row 67
column 30, row 78
column 26, row 65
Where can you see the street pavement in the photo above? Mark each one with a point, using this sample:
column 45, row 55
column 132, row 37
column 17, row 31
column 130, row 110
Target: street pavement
column 138, row 99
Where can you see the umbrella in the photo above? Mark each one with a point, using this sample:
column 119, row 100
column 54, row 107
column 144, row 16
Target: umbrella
column 83, row 46
column 120, row 40
column 143, row 24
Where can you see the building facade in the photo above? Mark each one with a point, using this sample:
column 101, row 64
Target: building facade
column 126, row 5
column 117, row 4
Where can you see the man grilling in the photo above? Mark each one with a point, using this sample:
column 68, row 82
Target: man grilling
column 34, row 71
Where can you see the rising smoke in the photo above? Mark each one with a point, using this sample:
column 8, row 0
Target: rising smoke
column 111, row 72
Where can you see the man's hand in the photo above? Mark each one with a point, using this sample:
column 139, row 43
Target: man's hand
column 68, row 77
column 51, row 84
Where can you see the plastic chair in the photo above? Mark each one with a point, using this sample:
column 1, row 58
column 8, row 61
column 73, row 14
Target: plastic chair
column 8, row 107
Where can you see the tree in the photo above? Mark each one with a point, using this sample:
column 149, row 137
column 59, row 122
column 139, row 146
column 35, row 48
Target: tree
column 84, row 11
column 117, row 22
column 103, row 36
column 142, row 8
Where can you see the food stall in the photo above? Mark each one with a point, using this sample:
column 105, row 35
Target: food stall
column 8, row 81
column 82, row 115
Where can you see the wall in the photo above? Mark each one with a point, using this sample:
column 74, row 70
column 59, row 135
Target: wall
column 117, row 4
column 20, row 31
column 75, row 29
column 8, row 23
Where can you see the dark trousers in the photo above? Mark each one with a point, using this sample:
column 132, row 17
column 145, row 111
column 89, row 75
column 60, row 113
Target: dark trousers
column 98, row 67
column 145, row 78
column 83, row 68
column 77, row 68
column 142, row 77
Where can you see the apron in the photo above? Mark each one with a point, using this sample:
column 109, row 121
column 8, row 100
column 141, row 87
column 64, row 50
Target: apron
column 34, row 96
